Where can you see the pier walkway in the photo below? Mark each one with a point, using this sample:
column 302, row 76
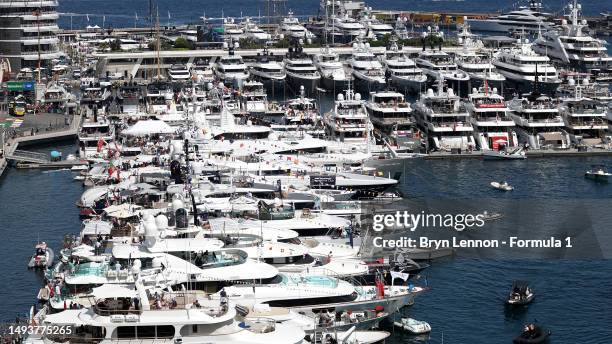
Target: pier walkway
column 9, row 143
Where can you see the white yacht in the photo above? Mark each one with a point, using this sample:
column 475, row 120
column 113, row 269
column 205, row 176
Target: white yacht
column 367, row 71
column 122, row 313
column 538, row 122
column 402, row 71
column 344, row 29
column 290, row 27
column 445, row 120
column 269, row 72
column 392, row 116
column 530, row 19
column 231, row 31
column 374, row 27
column 179, row 72
column 437, row 64
column 570, row 43
column 585, row 120
column 253, row 98
column 301, row 71
column 301, row 292
column 525, row 70
column 94, row 137
column 159, row 98
column 252, row 31
column 333, row 75
column 56, row 97
column 476, row 62
column 493, row 126
column 400, row 29
column 348, row 120
column 231, row 69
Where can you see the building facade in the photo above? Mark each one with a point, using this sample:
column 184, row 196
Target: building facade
column 28, row 33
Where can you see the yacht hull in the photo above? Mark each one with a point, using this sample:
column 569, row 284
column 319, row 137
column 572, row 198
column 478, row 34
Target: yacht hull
column 310, row 84
column 406, row 85
column 331, row 84
column 365, row 86
column 526, row 86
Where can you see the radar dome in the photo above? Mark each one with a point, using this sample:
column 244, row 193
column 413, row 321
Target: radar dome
column 161, row 221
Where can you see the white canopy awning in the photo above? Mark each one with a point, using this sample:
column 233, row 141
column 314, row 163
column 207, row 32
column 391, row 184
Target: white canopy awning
column 111, row 290
column 148, row 127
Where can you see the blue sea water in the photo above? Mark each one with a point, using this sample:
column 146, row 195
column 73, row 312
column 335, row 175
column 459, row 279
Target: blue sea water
column 115, row 13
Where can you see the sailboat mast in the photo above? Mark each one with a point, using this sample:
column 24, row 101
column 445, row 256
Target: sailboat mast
column 158, row 47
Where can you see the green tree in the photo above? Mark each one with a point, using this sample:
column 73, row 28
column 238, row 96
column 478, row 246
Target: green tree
column 182, row 43
column 115, row 45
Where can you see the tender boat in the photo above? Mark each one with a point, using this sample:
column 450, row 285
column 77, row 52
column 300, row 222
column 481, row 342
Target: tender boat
column 521, row 294
column 413, row 325
column 504, row 186
column 597, row 173
column 532, row 334
column 518, row 153
column 42, row 258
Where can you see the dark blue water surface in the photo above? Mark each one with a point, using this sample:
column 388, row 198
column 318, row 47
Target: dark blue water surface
column 123, row 13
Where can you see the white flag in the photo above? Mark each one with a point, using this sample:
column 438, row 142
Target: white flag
column 87, row 15
column 397, row 274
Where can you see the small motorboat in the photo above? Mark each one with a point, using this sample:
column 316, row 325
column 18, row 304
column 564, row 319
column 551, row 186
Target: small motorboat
column 517, row 154
column 598, row 173
column 413, row 326
column 42, row 258
column 504, row 186
column 486, row 216
column 532, row 334
column 521, row 294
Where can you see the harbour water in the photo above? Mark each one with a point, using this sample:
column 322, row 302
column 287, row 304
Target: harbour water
column 465, row 304
column 127, row 13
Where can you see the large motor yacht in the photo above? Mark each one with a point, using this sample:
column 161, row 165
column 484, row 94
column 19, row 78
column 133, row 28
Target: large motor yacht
column 392, row 116
column 231, row 69
column 402, row 71
column 525, row 70
column 269, row 72
column 445, row 120
column 437, row 64
column 538, row 122
column 333, row 75
column 530, row 19
column 348, row 120
column 493, row 126
column 571, row 44
column 301, row 72
column 367, row 70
